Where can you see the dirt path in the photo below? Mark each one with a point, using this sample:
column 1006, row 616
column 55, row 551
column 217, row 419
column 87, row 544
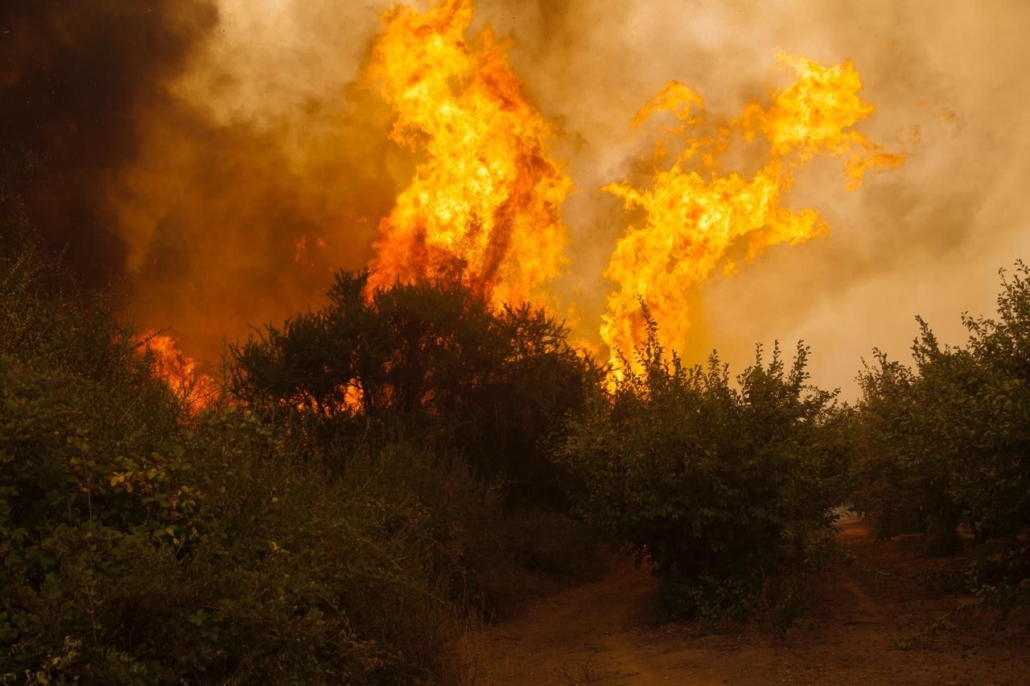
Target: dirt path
column 610, row 633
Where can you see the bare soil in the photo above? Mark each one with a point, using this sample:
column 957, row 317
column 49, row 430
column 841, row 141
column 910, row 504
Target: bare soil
column 867, row 625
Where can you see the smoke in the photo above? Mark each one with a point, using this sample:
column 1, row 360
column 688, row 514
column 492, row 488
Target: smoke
column 227, row 159
column 271, row 173
column 217, row 156
column 73, row 75
column 949, row 88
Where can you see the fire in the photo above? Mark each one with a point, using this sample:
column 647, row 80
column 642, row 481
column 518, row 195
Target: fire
column 194, row 388
column 700, row 217
column 485, row 203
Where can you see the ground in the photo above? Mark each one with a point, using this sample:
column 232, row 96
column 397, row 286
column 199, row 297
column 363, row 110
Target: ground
column 859, row 630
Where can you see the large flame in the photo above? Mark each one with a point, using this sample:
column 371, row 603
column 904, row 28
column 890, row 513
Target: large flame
column 700, row 217
column 485, row 203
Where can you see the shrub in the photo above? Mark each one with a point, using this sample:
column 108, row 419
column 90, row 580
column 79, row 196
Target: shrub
column 727, row 491
column 140, row 545
column 433, row 360
column 144, row 544
column 948, row 442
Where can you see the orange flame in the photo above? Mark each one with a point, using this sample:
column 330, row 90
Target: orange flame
column 195, row 389
column 700, row 217
column 485, row 203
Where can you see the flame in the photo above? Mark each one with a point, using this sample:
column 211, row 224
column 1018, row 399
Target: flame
column 195, row 389
column 700, row 217
column 484, row 205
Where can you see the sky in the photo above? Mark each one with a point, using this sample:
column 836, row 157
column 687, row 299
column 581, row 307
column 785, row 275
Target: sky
column 254, row 163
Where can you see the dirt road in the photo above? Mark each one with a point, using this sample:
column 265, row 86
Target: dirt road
column 610, row 633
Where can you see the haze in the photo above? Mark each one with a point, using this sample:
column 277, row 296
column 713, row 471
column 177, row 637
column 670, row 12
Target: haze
column 260, row 168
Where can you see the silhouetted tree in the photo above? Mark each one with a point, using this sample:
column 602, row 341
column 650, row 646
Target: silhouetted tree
column 433, row 360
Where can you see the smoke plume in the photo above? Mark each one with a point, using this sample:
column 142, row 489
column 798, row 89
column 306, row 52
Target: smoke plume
column 74, row 76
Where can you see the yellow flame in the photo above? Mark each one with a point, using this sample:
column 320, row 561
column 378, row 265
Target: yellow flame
column 195, row 389
column 485, row 203
column 700, row 218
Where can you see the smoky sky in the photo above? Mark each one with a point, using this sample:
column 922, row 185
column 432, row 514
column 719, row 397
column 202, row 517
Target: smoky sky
column 73, row 74
column 225, row 155
column 225, row 188
column 950, row 83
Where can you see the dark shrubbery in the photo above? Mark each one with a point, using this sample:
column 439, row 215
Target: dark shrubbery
column 435, row 361
column 289, row 543
column 391, row 468
column 948, row 443
column 729, row 492
column 435, row 366
column 216, row 554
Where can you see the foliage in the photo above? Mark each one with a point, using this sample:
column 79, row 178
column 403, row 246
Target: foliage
column 137, row 547
column 948, row 442
column 432, row 359
column 143, row 544
column 728, row 491
column 131, row 560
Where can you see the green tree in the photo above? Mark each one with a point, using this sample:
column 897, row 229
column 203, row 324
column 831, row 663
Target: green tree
column 728, row 490
column 948, row 442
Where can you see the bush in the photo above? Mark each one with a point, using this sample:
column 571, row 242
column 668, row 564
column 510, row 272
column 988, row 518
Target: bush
column 144, row 544
column 434, row 366
column 948, row 442
column 433, row 360
column 217, row 558
column 728, row 492
column 141, row 546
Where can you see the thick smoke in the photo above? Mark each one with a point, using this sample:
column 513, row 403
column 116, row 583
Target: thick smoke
column 271, row 172
column 216, row 155
column 73, row 77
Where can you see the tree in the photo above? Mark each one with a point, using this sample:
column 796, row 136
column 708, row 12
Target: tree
column 432, row 361
column 728, row 491
column 948, row 442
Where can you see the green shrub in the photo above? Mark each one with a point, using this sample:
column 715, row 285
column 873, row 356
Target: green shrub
column 727, row 491
column 136, row 548
column 144, row 544
column 948, row 442
column 222, row 556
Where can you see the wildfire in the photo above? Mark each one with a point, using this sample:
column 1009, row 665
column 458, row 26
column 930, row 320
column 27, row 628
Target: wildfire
column 484, row 205
column 700, row 217
column 194, row 388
